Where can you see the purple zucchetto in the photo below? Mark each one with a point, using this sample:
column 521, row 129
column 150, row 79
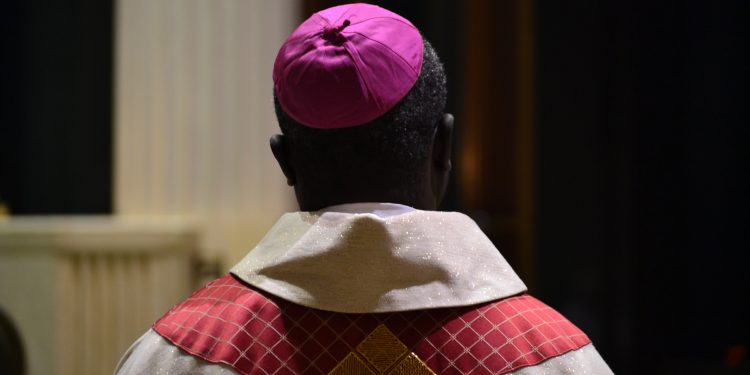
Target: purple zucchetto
column 347, row 65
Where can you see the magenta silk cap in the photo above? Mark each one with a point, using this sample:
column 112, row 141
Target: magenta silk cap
column 347, row 65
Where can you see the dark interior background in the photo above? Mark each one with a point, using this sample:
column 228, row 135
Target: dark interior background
column 639, row 119
column 56, row 107
column 642, row 197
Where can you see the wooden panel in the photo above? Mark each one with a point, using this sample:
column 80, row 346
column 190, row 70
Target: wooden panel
column 496, row 154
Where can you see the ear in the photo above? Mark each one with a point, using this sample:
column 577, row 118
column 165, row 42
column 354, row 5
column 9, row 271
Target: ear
column 442, row 143
column 280, row 150
column 441, row 156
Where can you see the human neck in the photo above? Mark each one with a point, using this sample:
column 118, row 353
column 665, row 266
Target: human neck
column 318, row 202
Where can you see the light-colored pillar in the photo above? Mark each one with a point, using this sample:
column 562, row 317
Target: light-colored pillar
column 194, row 112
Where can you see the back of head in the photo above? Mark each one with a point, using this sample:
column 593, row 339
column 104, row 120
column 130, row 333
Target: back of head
column 358, row 158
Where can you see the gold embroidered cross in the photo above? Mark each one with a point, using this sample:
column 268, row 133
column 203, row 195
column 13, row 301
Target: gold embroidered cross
column 381, row 352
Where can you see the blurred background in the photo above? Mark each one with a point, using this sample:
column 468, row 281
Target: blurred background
column 600, row 145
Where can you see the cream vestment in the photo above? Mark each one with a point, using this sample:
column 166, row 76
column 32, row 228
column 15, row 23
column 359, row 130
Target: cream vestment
column 368, row 258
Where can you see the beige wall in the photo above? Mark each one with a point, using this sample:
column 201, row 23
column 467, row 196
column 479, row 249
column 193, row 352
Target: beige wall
column 193, row 114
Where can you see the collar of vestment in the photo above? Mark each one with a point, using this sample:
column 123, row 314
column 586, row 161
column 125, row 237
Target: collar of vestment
column 378, row 257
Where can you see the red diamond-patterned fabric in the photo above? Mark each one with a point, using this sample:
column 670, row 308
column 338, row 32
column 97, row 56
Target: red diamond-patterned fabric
column 255, row 333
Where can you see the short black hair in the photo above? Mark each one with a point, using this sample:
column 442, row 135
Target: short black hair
column 396, row 143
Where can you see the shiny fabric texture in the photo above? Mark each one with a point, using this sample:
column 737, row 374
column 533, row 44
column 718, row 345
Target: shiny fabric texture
column 347, row 65
column 255, row 333
column 154, row 355
column 362, row 263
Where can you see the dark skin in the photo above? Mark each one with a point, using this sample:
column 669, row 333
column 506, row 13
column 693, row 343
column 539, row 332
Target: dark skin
column 359, row 187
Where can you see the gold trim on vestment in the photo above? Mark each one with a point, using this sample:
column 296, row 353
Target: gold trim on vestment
column 381, row 353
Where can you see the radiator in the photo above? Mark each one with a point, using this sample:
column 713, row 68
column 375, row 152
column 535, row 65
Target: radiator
column 81, row 289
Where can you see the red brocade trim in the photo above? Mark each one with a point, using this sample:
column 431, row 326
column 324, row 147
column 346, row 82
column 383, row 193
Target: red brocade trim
column 255, row 333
